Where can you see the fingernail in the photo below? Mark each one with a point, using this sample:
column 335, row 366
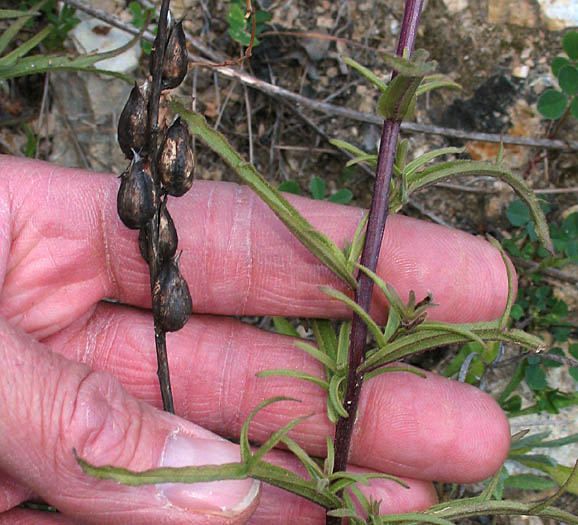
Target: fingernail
column 223, row 497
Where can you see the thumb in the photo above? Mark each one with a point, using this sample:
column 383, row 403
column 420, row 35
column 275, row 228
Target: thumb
column 49, row 405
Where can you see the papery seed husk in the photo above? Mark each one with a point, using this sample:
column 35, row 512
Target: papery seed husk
column 176, row 61
column 176, row 163
column 132, row 123
column 168, row 238
column 136, row 200
column 172, row 304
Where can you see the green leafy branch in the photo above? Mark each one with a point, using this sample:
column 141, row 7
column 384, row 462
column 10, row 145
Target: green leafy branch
column 17, row 63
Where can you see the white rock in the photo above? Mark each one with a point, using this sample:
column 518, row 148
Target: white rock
column 560, row 13
column 92, row 35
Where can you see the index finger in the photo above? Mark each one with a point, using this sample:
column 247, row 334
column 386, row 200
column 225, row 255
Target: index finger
column 68, row 250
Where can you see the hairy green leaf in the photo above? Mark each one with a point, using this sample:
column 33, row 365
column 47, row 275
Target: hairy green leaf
column 367, row 73
column 296, row 374
column 316, row 242
column 371, row 324
column 444, row 170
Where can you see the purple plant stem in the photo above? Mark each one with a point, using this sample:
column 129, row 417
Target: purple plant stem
column 376, row 225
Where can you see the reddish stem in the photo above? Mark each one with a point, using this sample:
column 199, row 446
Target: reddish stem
column 376, row 225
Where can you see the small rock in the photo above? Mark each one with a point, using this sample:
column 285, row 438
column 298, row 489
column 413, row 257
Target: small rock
column 92, row 35
column 521, row 71
column 316, row 47
column 455, row 6
column 559, row 14
column 325, row 21
column 332, row 72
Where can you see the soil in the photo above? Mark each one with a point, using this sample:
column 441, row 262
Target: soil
column 499, row 52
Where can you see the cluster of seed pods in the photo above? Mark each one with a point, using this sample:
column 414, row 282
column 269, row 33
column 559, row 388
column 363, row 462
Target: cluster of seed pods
column 153, row 174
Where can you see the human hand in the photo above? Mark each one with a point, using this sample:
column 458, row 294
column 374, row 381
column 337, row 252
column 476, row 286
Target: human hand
column 81, row 373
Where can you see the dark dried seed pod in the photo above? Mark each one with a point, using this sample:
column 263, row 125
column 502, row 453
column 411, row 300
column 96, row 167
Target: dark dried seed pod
column 136, row 201
column 176, row 163
column 176, row 61
column 132, row 124
column 168, row 238
column 172, row 304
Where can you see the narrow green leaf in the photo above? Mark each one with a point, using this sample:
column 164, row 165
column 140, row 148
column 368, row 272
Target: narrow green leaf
column 490, row 489
column 244, row 436
column 570, row 44
column 332, row 414
column 13, row 13
column 316, row 242
column 284, row 327
column 274, row 440
column 313, row 469
column 201, row 474
column 414, row 165
column 341, row 144
column 296, row 374
column 370, row 158
column 448, row 327
column 287, row 480
column 529, row 482
column 44, row 63
column 371, row 324
column 552, row 104
column 393, row 322
column 416, row 342
column 330, row 457
column 325, row 337
column 361, row 498
column 343, row 344
column 437, row 84
column 344, row 513
column 529, row 442
column 386, row 369
column 394, row 300
column 8, row 34
column 572, row 480
column 443, row 170
column 568, row 80
column 365, row 479
column 20, row 51
column 367, row 73
column 317, row 354
column 514, row 382
column 357, row 242
column 335, row 397
column 509, row 273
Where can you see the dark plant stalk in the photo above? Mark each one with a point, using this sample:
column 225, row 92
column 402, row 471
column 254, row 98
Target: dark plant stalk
column 376, row 225
column 153, row 225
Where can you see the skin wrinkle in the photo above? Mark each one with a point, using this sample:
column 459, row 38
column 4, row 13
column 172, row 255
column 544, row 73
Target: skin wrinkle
column 113, row 283
column 248, row 241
